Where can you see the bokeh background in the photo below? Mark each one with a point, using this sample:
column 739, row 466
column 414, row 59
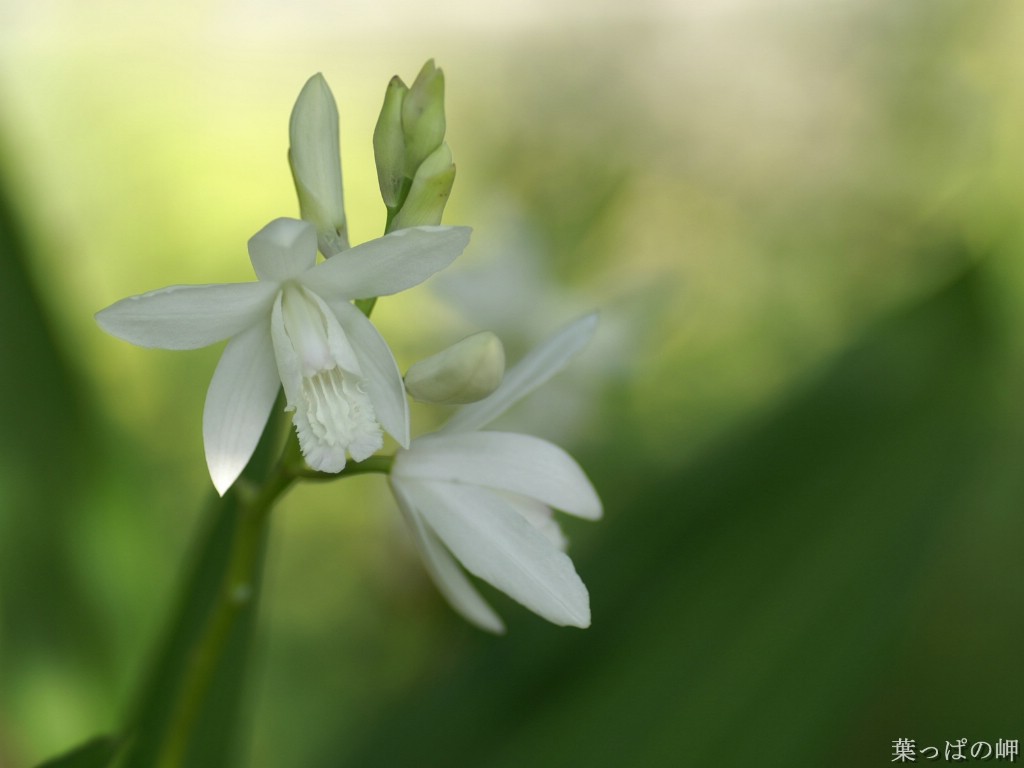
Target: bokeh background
column 801, row 224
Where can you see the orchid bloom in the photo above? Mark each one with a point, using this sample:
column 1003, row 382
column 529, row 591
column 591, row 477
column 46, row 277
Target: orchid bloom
column 294, row 327
column 487, row 499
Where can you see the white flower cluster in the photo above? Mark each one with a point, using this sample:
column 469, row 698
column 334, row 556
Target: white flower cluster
column 482, row 498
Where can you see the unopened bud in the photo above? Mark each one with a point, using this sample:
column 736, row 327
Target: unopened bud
column 429, row 192
column 315, row 159
column 423, row 120
column 465, row 372
column 389, row 143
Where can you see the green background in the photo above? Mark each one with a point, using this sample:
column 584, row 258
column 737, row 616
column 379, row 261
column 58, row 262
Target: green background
column 803, row 409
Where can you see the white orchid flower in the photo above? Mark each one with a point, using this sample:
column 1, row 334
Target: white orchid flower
column 294, row 326
column 487, row 499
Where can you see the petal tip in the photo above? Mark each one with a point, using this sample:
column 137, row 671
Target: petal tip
column 223, row 478
column 493, row 624
column 580, row 620
column 224, row 470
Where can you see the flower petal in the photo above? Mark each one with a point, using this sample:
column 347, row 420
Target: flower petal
column 283, row 249
column 521, row 464
column 539, row 365
column 496, row 543
column 238, row 402
column 289, row 366
column 447, row 575
column 379, row 369
column 540, row 516
column 188, row 316
column 388, row 264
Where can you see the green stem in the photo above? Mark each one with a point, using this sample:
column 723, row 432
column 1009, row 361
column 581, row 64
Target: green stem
column 378, row 464
column 234, row 595
column 254, row 505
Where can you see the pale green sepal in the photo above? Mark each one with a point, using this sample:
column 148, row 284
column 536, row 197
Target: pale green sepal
column 388, row 264
column 465, row 372
column 187, row 316
column 314, row 155
column 389, row 143
column 423, row 121
column 429, row 193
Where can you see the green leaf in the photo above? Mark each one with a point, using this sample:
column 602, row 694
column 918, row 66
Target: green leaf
column 95, row 753
column 48, row 459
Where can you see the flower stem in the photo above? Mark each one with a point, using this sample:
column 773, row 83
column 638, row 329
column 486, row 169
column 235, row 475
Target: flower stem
column 234, row 595
column 378, row 464
column 253, row 502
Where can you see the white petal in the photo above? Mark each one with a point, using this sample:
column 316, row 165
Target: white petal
column 238, row 402
column 540, row 516
column 379, row 369
column 388, row 264
column 509, row 462
column 283, row 249
column 496, row 543
column 447, row 575
column 289, row 366
column 539, row 365
column 188, row 316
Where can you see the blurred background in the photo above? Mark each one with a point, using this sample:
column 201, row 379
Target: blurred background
column 800, row 222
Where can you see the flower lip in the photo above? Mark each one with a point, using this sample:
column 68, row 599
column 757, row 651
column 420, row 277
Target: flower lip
column 323, row 382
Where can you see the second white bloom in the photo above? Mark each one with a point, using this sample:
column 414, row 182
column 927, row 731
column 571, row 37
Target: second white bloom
column 486, row 498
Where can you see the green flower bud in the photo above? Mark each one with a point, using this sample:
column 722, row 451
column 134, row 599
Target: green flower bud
column 423, row 120
column 315, row 159
column 389, row 143
column 429, row 193
column 465, row 372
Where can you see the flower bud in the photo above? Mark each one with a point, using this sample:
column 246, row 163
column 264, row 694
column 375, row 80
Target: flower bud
column 389, row 143
column 465, row 372
column 315, row 159
column 423, row 120
column 429, row 192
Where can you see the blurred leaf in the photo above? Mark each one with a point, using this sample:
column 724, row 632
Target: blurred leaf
column 50, row 624
column 34, row 368
column 95, row 753
column 755, row 606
